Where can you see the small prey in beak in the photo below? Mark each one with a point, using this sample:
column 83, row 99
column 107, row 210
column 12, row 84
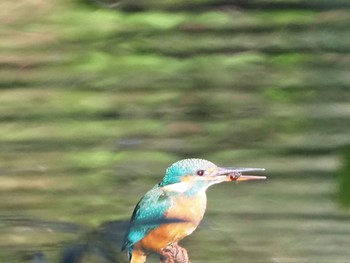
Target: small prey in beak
column 236, row 174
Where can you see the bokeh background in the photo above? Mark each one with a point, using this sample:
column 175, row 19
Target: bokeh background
column 98, row 97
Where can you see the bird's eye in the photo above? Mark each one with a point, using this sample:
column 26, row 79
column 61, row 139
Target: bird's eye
column 200, row 172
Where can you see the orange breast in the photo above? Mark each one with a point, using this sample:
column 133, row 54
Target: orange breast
column 190, row 209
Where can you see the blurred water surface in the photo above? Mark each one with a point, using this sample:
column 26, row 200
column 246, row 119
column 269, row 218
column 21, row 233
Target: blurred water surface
column 98, row 98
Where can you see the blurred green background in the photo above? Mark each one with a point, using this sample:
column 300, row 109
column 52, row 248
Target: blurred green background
column 98, row 97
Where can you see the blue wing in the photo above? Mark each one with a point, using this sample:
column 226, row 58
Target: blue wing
column 148, row 214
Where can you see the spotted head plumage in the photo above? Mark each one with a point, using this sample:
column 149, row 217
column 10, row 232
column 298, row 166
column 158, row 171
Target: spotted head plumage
column 185, row 167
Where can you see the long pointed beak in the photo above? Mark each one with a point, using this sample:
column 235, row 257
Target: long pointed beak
column 236, row 173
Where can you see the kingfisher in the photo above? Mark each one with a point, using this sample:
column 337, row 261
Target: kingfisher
column 173, row 209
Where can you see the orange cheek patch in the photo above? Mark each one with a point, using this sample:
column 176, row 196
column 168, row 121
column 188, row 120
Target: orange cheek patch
column 187, row 178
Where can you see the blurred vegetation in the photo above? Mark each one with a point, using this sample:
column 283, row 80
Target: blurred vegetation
column 97, row 98
column 344, row 179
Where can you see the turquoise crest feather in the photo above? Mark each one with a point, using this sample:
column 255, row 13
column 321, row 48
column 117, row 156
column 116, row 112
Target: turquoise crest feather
column 184, row 167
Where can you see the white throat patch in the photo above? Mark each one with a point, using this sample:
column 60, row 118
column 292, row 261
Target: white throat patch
column 177, row 187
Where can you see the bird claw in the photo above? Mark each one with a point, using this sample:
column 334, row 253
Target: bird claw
column 174, row 254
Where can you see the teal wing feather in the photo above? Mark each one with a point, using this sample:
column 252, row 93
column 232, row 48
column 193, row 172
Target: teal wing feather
column 148, row 214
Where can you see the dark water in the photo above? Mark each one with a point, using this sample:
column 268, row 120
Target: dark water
column 96, row 102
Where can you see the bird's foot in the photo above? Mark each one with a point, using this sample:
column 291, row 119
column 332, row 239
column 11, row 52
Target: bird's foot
column 166, row 257
column 181, row 255
column 174, row 254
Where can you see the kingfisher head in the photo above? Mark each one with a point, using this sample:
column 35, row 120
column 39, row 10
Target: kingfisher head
column 205, row 173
